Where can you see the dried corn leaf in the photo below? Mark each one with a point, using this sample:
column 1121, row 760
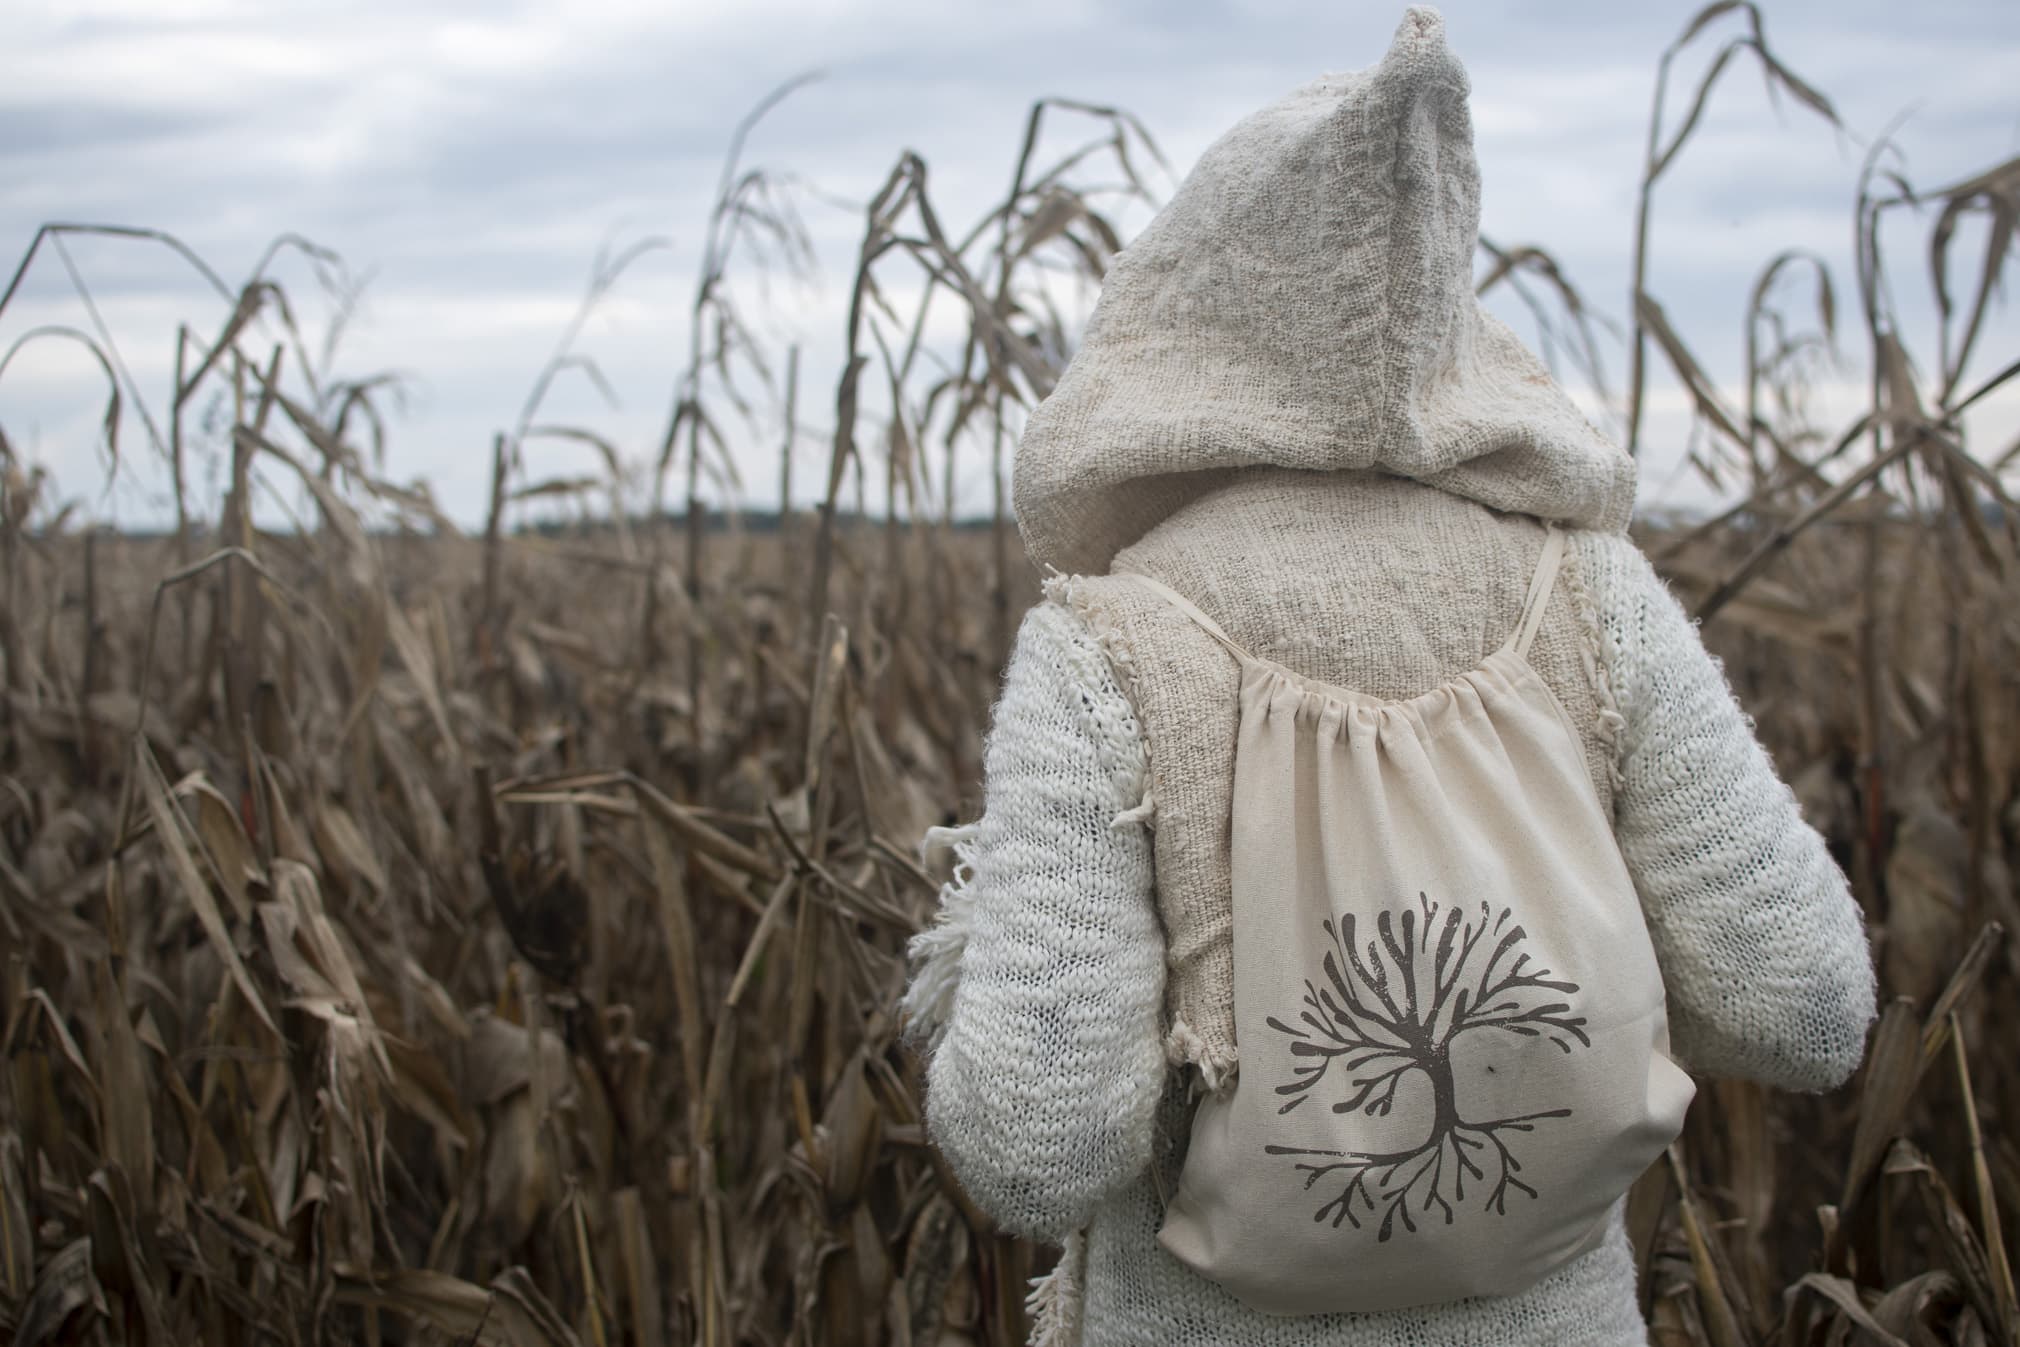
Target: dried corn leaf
column 346, row 850
column 640, row 1268
column 1893, row 1066
column 508, row 1314
column 168, row 827
column 223, row 835
column 126, row 1122
column 419, row 662
column 1845, row 1296
column 67, row 1285
column 676, row 926
column 17, row 1236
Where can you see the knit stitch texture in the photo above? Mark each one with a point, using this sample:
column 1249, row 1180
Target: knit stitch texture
column 1058, row 950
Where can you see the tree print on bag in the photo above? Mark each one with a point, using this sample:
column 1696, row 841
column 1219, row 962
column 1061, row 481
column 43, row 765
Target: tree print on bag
column 1395, row 1007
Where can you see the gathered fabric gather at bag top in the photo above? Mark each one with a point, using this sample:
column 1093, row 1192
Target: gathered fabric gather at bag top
column 1455, row 1055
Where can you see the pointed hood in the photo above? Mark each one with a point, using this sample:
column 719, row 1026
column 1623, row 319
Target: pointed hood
column 1306, row 301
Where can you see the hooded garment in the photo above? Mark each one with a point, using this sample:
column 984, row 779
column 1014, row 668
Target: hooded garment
column 1306, row 300
column 1305, row 303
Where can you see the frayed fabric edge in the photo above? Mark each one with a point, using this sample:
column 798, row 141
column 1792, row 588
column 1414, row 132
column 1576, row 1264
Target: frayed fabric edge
column 1611, row 725
column 1056, row 1297
column 960, row 837
column 1069, row 592
column 1218, row 1067
column 935, row 953
column 1144, row 812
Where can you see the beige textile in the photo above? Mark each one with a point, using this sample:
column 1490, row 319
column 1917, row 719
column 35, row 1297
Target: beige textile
column 1290, row 408
column 1305, row 299
column 1454, row 1040
column 1289, row 404
column 1048, row 946
column 1357, row 578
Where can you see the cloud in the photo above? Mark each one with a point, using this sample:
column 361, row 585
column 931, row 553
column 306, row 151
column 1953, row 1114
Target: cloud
column 476, row 155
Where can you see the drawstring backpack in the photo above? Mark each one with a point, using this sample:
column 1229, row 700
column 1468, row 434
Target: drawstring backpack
column 1454, row 1050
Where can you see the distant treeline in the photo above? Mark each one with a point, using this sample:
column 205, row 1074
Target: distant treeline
column 847, row 521
column 714, row 521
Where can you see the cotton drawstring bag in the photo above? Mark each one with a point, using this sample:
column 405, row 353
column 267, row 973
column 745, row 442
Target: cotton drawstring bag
column 1454, row 1052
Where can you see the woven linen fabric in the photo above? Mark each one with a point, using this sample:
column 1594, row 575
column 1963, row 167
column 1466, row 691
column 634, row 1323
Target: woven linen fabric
column 1361, row 579
column 1045, row 977
column 1305, row 299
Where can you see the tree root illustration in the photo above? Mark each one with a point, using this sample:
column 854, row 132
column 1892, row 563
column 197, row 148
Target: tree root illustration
column 1431, row 973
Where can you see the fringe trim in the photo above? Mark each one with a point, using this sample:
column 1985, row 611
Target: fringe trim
column 961, row 838
column 935, row 953
column 1057, row 1297
column 1611, row 724
column 1217, row 1067
column 1070, row 592
column 1144, row 812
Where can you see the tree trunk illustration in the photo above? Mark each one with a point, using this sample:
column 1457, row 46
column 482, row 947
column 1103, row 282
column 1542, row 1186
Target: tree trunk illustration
column 1394, row 1007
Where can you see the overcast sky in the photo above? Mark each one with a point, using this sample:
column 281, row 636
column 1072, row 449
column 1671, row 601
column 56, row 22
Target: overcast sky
column 474, row 156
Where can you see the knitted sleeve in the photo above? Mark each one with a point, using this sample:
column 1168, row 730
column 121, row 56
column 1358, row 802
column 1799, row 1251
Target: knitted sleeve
column 1042, row 987
column 1762, row 947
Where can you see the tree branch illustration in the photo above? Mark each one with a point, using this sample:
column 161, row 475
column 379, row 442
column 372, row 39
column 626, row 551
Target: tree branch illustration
column 1392, row 1005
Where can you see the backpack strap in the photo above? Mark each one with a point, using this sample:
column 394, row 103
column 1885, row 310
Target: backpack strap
column 1191, row 610
column 1539, row 594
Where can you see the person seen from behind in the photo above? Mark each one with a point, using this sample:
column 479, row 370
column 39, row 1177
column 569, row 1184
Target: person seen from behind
column 1371, row 852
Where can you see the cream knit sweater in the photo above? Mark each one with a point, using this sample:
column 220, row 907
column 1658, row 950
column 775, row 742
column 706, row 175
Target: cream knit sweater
column 1042, row 990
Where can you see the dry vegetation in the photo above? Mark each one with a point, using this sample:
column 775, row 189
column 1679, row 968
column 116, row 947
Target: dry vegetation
column 418, row 938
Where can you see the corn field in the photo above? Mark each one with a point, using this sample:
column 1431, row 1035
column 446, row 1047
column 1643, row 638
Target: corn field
column 418, row 936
